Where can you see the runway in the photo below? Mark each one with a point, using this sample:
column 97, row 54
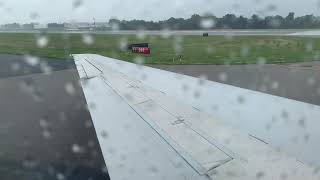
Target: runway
column 46, row 131
column 294, row 81
column 217, row 32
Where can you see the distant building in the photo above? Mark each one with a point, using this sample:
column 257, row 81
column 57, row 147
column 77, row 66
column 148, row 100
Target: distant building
column 28, row 26
column 12, row 26
column 40, row 26
column 55, row 26
column 86, row 25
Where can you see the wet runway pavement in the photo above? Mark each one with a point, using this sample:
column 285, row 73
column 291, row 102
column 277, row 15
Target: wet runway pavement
column 296, row 81
column 46, row 131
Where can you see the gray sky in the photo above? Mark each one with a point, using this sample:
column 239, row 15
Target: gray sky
column 64, row 10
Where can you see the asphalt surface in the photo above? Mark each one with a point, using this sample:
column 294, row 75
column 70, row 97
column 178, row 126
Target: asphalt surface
column 46, row 131
column 300, row 82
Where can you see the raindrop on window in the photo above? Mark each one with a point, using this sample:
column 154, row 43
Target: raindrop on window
column 15, row 67
column 139, row 61
column 260, row 175
column 197, row 94
column 309, row 46
column 29, row 163
column 77, row 3
column 311, row 81
column 123, row 44
column 88, row 124
column 31, row 60
column 153, row 169
column 207, row 23
column 104, row 134
column 87, row 39
column 285, row 114
column 223, row 77
column 34, row 16
column 77, row 149
column 44, row 123
column 141, row 35
column 202, row 80
column 302, row 123
column 185, row 87
column 261, row 61
column 46, row 134
column 241, row 100
column 275, row 85
column 70, row 89
column 60, row 176
column 45, row 68
column 244, row 51
column 166, row 33
column 42, row 41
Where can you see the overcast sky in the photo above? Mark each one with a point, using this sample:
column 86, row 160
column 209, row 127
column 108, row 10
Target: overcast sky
column 85, row 10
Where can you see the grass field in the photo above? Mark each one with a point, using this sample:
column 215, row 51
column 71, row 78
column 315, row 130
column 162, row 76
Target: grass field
column 193, row 49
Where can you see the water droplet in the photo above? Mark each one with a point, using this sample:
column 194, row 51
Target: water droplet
column 309, row 46
column 306, row 138
column 138, row 60
column 115, row 26
column 311, row 81
column 223, row 77
column 275, row 85
column 77, row 3
column 141, row 35
column 70, row 89
column 316, row 170
column 285, row 114
column 207, row 23
column 302, row 123
column 88, row 124
column 241, row 100
column 31, row 60
column 46, row 134
column 77, row 149
column 87, row 39
column 104, row 134
column 260, row 175
column 34, row 15
column 153, row 169
column 166, row 33
column 244, row 51
column 60, row 176
column 284, row 176
column 15, row 67
column 43, row 123
column 42, row 41
column 29, row 163
column 197, row 94
column 178, row 48
column 202, row 80
column 271, row 7
column 185, row 87
column 91, row 144
column 45, row 68
column 123, row 44
column 261, row 61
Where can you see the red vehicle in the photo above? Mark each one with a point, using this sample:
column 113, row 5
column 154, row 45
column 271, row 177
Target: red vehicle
column 141, row 50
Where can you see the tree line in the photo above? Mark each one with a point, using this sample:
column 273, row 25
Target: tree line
column 229, row 21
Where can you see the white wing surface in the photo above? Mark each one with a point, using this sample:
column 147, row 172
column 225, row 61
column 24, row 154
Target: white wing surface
column 148, row 133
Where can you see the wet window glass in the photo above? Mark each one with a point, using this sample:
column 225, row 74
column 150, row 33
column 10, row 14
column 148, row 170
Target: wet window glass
column 150, row 89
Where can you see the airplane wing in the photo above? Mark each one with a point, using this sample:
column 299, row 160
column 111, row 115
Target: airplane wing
column 148, row 133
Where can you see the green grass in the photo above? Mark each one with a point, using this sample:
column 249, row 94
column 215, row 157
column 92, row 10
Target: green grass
column 195, row 49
